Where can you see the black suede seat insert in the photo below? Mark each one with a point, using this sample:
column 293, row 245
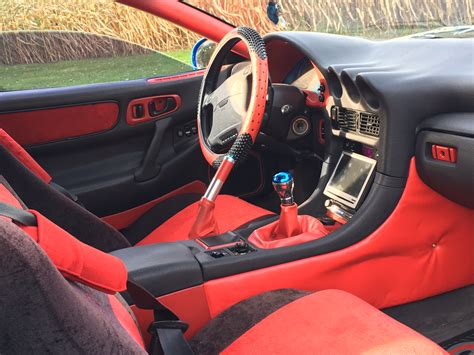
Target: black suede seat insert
column 67, row 214
column 158, row 215
column 43, row 313
column 228, row 326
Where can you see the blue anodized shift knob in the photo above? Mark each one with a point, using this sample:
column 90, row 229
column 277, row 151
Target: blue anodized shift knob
column 283, row 185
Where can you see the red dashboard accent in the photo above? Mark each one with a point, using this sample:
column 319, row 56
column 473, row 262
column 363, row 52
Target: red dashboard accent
column 164, row 105
column 54, row 124
column 423, row 249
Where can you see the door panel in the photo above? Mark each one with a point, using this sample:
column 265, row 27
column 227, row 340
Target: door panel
column 53, row 124
column 114, row 166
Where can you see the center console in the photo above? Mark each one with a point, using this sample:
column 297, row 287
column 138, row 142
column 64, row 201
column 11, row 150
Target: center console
column 353, row 186
column 348, row 185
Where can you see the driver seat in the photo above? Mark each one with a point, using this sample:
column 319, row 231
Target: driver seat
column 169, row 220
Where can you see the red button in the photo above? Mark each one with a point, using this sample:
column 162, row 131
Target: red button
column 453, row 155
column 442, row 153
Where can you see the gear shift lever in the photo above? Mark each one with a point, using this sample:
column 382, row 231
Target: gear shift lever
column 288, row 225
column 283, row 185
column 290, row 229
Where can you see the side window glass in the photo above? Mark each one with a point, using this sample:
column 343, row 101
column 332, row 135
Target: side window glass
column 49, row 44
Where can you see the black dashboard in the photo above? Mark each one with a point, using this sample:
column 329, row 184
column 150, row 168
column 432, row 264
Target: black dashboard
column 379, row 91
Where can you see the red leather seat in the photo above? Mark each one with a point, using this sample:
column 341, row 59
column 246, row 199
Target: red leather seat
column 331, row 322
column 230, row 212
column 169, row 220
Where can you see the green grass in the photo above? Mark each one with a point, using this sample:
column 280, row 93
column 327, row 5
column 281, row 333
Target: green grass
column 89, row 71
column 183, row 55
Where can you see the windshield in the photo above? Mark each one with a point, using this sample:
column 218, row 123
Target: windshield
column 374, row 19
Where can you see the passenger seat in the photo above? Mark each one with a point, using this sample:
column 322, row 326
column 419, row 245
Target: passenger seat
column 59, row 296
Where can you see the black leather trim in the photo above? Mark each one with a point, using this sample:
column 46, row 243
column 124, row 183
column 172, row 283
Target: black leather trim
column 161, row 268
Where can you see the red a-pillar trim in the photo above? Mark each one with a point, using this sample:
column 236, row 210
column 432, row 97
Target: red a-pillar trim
column 183, row 15
column 188, row 17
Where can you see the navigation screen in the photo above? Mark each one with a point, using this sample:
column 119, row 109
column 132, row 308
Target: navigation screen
column 350, row 177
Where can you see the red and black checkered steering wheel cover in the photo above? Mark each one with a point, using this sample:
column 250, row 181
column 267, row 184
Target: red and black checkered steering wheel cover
column 252, row 121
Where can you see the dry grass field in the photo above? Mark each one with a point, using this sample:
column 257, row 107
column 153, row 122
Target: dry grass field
column 377, row 18
column 21, row 54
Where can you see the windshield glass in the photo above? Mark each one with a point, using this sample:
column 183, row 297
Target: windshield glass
column 374, row 19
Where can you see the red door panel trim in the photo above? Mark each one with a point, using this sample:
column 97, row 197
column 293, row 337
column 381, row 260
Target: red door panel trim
column 53, row 124
column 124, row 219
column 176, row 77
column 423, row 249
column 147, row 116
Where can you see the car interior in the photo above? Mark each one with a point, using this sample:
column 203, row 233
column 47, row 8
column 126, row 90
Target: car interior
column 305, row 193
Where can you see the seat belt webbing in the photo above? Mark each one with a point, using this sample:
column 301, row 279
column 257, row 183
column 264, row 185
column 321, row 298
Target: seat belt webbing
column 167, row 330
column 18, row 215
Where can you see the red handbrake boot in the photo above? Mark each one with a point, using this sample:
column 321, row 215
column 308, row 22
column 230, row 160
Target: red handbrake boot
column 290, row 229
column 205, row 223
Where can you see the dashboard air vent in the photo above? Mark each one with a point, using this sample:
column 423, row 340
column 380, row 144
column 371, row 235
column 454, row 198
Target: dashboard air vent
column 356, row 121
column 347, row 120
column 369, row 124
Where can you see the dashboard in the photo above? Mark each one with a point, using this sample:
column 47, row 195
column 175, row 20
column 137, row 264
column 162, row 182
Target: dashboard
column 377, row 93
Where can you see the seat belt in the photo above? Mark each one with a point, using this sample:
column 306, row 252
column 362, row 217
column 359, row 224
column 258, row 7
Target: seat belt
column 167, row 330
column 18, row 215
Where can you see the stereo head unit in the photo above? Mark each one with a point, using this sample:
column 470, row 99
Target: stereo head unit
column 350, row 179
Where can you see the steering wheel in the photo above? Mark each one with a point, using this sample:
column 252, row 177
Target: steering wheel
column 234, row 109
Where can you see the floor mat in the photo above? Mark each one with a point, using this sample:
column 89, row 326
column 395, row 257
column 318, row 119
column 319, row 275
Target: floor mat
column 441, row 317
column 460, row 345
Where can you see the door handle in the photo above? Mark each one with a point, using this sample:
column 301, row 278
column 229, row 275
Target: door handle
column 151, row 108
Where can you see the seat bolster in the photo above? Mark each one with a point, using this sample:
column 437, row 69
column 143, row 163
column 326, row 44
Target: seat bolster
column 231, row 212
column 331, row 322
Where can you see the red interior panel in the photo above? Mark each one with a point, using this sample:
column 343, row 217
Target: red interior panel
column 180, row 76
column 124, row 219
column 424, row 248
column 159, row 102
column 54, row 124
